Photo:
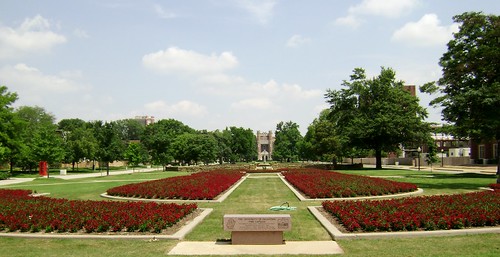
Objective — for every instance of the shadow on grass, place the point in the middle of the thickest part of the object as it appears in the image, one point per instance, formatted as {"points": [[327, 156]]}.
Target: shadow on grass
{"points": [[460, 181], [463, 175], [457, 186]]}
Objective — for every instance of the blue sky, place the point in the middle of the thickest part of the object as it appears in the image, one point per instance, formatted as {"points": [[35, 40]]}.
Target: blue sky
{"points": [[215, 63]]}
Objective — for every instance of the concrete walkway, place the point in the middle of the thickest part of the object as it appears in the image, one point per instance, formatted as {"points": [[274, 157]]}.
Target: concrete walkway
{"points": [[103, 173], [12, 181], [445, 169], [226, 248]]}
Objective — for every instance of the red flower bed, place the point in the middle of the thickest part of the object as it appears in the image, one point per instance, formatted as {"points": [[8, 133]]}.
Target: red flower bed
{"points": [[317, 183], [197, 186], [495, 186], [419, 213], [21, 212]]}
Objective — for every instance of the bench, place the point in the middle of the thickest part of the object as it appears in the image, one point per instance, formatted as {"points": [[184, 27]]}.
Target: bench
{"points": [[257, 229]]}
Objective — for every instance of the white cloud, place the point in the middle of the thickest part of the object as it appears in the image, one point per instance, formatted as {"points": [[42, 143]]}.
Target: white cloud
{"points": [[425, 32], [80, 33], [162, 13], [319, 108], [259, 103], [297, 92], [179, 109], [33, 80], [221, 79], [384, 8], [35, 87], [175, 59], [297, 40], [270, 88], [275, 97], [349, 21], [32, 36], [262, 10]]}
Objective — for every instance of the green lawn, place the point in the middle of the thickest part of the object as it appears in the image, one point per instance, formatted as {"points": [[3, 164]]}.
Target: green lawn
{"points": [[256, 195]]}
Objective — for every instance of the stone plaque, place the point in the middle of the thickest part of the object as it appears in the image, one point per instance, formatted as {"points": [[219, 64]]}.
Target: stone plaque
{"points": [[257, 222]]}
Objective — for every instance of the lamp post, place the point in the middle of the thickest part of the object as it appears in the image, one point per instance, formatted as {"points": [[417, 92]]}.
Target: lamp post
{"points": [[442, 157], [419, 150]]}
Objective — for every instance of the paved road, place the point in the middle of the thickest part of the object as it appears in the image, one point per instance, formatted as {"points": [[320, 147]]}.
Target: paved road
{"points": [[448, 169], [77, 176]]}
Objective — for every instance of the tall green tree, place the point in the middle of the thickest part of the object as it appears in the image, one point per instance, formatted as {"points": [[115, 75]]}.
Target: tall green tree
{"points": [[194, 147], [110, 144], [136, 153], [321, 142], [79, 141], [431, 156], [243, 144], [40, 138], [377, 113], [223, 139], [47, 145], [10, 142], [71, 124], [130, 129], [287, 141], [158, 138], [470, 86]]}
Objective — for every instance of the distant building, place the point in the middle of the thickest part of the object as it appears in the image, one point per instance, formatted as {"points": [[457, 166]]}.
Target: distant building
{"points": [[412, 89], [484, 152], [451, 146], [146, 120], [265, 145]]}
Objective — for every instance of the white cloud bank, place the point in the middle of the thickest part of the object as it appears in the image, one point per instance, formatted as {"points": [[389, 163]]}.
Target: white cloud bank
{"points": [[63, 91], [179, 109], [175, 59], [383, 8], [31, 79], [34, 35], [262, 10], [428, 31], [230, 96], [297, 41], [162, 13]]}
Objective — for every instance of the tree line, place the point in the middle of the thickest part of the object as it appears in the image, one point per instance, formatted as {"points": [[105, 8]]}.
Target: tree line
{"points": [[29, 135]]}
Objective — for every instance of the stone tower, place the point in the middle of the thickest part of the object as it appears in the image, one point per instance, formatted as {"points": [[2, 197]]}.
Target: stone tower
{"points": [[265, 145]]}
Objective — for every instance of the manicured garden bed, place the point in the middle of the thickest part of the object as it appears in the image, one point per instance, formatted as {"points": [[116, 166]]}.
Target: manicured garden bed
{"points": [[21, 212], [495, 186], [198, 186], [316, 183], [439, 212]]}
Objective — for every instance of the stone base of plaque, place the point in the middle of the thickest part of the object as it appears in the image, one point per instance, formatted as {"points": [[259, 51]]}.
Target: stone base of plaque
{"points": [[257, 229], [257, 237]]}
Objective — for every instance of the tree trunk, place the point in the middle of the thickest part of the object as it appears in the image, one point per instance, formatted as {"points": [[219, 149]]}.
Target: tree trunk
{"points": [[498, 171], [378, 159], [107, 168], [498, 163]]}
